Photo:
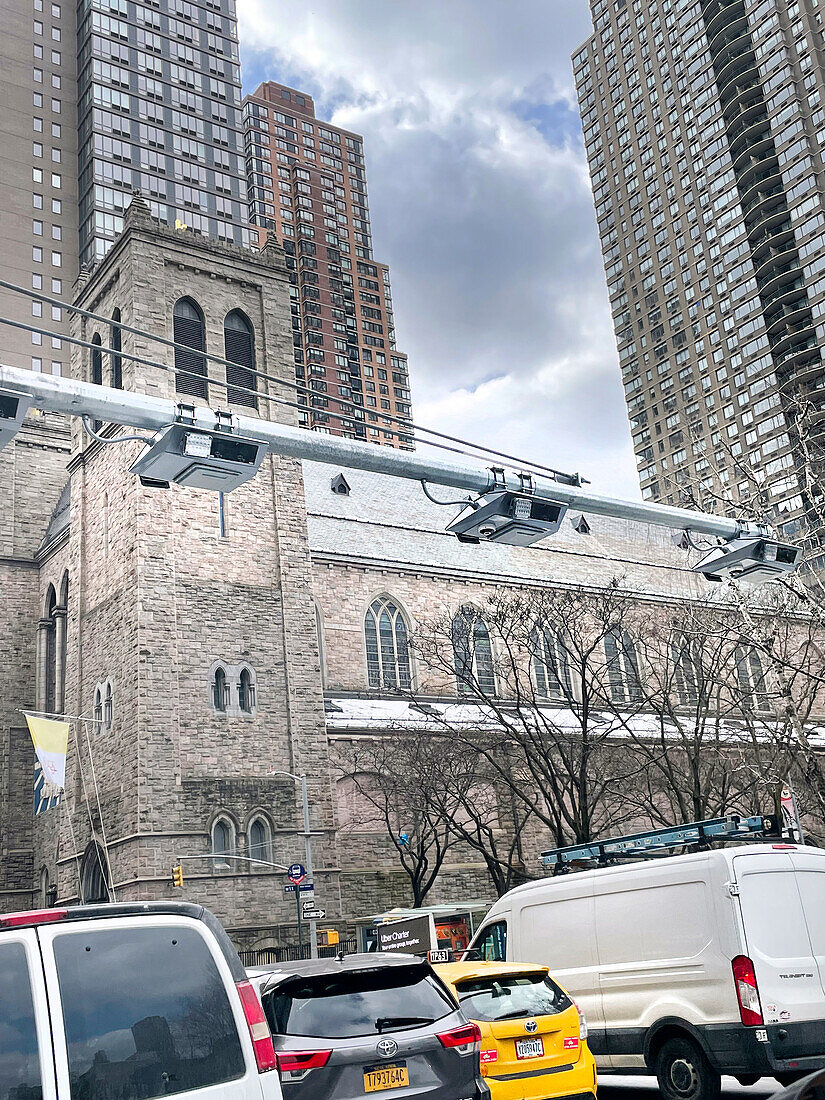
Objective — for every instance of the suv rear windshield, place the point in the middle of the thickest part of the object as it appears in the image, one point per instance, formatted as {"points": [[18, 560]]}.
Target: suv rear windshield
{"points": [[512, 997], [343, 1006]]}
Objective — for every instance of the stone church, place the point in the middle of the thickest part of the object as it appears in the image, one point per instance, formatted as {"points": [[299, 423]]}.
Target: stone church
{"points": [[219, 642]]}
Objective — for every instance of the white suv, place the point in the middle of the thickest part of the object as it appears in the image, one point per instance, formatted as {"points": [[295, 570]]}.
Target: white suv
{"points": [[132, 1001]]}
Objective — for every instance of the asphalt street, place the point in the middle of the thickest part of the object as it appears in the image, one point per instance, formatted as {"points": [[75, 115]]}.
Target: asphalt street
{"points": [[617, 1087]]}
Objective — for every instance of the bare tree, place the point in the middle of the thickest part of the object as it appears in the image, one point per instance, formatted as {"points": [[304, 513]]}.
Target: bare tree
{"points": [[393, 778], [542, 678]]}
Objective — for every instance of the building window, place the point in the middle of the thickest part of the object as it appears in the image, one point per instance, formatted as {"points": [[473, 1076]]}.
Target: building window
{"points": [[388, 655], [473, 654], [97, 712], [750, 678], [222, 843], [108, 706], [239, 344], [94, 875], [246, 691], [551, 668], [97, 361], [259, 837], [220, 690], [190, 367], [622, 667], [686, 675], [114, 343]]}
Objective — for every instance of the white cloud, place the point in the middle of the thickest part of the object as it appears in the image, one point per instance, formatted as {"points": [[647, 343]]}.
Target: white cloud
{"points": [[480, 203]]}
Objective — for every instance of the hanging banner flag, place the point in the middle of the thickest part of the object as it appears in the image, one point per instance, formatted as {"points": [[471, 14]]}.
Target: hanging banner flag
{"points": [[51, 739]]}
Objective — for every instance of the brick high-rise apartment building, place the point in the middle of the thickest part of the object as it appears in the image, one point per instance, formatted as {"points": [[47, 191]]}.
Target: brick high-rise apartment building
{"points": [[703, 124], [102, 99], [308, 187]]}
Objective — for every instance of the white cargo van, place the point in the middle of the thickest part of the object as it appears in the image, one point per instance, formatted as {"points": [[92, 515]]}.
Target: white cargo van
{"points": [[132, 1000], [684, 966]]}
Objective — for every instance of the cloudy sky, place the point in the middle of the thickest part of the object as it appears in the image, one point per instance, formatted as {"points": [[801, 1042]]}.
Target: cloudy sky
{"points": [[480, 203]]}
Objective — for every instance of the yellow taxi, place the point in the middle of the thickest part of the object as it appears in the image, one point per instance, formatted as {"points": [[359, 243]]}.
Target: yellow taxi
{"points": [[533, 1037]]}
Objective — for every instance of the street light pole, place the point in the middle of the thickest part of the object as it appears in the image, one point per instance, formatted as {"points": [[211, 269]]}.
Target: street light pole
{"points": [[313, 930]]}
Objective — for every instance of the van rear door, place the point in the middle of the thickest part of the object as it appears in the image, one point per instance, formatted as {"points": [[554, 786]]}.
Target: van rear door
{"points": [[26, 1066], [779, 945], [810, 878]]}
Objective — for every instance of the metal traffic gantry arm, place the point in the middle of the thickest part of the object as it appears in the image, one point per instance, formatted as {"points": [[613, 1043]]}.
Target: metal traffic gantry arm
{"points": [[520, 494]]}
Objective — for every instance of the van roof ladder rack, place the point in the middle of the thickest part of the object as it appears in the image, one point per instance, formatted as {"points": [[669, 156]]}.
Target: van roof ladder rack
{"points": [[660, 842]]}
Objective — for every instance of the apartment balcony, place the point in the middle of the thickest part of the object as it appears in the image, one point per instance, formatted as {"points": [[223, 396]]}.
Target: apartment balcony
{"points": [[734, 61], [757, 149], [768, 193], [770, 251], [767, 215], [803, 368], [780, 281], [721, 13], [745, 95], [726, 26], [783, 296], [757, 169], [747, 136], [792, 351], [787, 316]]}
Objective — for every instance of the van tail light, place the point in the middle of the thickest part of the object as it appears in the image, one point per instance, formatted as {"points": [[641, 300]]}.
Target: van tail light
{"points": [[33, 917], [465, 1039], [582, 1023], [744, 978], [258, 1027], [298, 1063]]}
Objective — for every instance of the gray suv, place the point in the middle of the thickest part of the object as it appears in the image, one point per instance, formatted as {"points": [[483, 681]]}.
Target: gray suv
{"points": [[346, 1027]]}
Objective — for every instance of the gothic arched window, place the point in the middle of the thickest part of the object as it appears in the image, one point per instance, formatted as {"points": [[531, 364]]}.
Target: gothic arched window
{"points": [[473, 653], [115, 345], [622, 667], [686, 672], [551, 668], [94, 875], [259, 837], [220, 690], [189, 330], [750, 677], [246, 691], [239, 344], [388, 655], [223, 843]]}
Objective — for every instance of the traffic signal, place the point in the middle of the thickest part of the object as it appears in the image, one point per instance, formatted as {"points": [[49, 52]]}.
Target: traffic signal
{"points": [[329, 938], [177, 875]]}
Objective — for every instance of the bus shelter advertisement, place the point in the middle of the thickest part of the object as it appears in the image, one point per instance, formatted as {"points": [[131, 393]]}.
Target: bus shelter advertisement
{"points": [[415, 935]]}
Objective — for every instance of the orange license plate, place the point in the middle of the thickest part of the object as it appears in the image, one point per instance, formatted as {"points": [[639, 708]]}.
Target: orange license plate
{"points": [[378, 1078]]}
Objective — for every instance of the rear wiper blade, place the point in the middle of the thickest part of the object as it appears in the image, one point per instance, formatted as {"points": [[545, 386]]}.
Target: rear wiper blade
{"points": [[400, 1021]]}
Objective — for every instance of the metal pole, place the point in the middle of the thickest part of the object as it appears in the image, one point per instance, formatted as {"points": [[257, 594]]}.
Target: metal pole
{"points": [[136, 410], [313, 932], [298, 911]]}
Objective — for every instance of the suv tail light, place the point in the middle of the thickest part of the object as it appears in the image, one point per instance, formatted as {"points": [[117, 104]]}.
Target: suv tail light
{"points": [[744, 978], [34, 916], [465, 1039], [258, 1027], [298, 1063]]}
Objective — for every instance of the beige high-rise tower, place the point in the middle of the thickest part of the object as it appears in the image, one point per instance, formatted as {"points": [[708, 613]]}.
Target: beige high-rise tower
{"points": [[703, 124]]}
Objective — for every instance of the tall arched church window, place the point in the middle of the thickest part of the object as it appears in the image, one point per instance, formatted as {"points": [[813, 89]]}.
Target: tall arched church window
{"points": [[246, 691], [750, 675], [115, 345], [190, 366], [239, 344], [551, 668], [685, 673], [97, 370], [259, 840], [388, 655], [220, 690], [473, 653], [222, 842], [94, 875], [622, 667]]}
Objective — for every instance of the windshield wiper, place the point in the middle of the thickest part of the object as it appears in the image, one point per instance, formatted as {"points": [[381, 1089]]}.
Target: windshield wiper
{"points": [[514, 1015], [400, 1021]]}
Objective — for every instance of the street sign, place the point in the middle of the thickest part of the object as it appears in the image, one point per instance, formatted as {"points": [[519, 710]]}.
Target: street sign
{"points": [[297, 873], [304, 887], [313, 914], [307, 904]]}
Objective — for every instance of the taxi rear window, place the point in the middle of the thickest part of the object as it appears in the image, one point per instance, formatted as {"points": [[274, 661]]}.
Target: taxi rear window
{"points": [[512, 997]]}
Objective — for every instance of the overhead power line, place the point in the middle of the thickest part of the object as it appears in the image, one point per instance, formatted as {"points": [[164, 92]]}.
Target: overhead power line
{"points": [[407, 425]]}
